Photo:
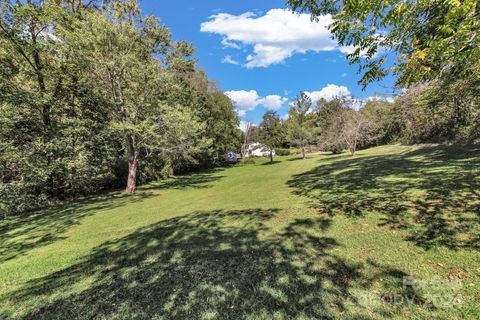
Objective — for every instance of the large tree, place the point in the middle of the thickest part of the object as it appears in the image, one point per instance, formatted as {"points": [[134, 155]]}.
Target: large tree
{"points": [[299, 124], [92, 92], [271, 132], [130, 58], [343, 127], [430, 39], [359, 130], [216, 110], [330, 119], [54, 136]]}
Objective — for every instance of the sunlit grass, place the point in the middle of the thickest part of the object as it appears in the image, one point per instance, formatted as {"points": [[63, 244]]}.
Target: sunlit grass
{"points": [[332, 236]]}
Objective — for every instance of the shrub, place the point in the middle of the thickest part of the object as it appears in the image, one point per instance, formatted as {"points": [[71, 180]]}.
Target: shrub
{"points": [[282, 152]]}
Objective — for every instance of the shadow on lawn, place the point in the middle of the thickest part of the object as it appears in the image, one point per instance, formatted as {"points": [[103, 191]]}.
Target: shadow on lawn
{"points": [[211, 265], [269, 163], [201, 180], [19, 234], [432, 192]]}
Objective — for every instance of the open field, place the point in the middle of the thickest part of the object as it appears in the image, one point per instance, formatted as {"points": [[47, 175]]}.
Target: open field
{"points": [[326, 237]]}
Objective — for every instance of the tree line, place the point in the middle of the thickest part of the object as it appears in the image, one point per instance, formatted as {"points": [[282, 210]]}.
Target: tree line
{"points": [[433, 50], [424, 113], [94, 95]]}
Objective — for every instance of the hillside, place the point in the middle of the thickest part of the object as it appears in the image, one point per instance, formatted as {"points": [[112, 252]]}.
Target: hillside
{"points": [[332, 236]]}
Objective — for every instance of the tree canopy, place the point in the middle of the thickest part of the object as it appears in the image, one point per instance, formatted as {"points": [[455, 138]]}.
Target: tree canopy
{"points": [[95, 95], [271, 131], [428, 39], [300, 124]]}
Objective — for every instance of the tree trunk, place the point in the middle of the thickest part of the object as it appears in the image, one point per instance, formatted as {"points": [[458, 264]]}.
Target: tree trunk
{"points": [[132, 165], [271, 155], [303, 152], [354, 148]]}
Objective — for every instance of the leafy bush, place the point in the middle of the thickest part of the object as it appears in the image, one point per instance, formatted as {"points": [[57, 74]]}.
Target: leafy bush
{"points": [[282, 152], [297, 151]]}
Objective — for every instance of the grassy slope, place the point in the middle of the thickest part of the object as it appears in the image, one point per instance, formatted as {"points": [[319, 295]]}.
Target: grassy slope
{"points": [[323, 237]]}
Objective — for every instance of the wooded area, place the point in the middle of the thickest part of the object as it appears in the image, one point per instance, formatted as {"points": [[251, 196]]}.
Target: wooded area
{"points": [[94, 96]]}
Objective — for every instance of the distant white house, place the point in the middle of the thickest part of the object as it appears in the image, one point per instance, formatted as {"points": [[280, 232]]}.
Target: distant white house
{"points": [[258, 150]]}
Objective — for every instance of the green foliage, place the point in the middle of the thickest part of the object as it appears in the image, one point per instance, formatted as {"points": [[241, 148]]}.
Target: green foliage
{"points": [[381, 114], [330, 118], [282, 152], [216, 111], [87, 91], [430, 39], [432, 47], [299, 124], [437, 113], [271, 131]]}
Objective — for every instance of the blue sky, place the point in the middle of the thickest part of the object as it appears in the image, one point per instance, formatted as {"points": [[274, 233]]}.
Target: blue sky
{"points": [[261, 55]]}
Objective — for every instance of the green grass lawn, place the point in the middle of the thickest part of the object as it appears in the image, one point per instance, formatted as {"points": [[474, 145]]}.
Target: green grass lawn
{"points": [[323, 238]]}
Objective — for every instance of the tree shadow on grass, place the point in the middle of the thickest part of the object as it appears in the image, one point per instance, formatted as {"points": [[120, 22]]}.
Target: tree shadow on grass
{"points": [[298, 158], [22, 233], [211, 265], [432, 192], [201, 180], [270, 163]]}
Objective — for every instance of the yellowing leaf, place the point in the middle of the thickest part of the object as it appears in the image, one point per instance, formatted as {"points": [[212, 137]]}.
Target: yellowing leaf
{"points": [[419, 55]]}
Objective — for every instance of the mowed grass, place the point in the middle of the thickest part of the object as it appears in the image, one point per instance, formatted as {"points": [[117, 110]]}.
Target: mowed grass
{"points": [[329, 237]]}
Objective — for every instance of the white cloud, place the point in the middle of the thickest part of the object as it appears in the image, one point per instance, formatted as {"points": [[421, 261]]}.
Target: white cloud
{"points": [[347, 49], [380, 98], [248, 100], [230, 44], [273, 102], [241, 112], [328, 93], [230, 60], [360, 103], [275, 36]]}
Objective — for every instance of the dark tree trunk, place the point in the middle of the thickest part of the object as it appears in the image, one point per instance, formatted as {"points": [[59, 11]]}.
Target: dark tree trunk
{"points": [[38, 68], [303, 152], [132, 165], [271, 155]]}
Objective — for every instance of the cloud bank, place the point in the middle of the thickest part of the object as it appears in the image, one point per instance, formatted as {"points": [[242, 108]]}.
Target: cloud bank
{"points": [[245, 101], [328, 93], [274, 37]]}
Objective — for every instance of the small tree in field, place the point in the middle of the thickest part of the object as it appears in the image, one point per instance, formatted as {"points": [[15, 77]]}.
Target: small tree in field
{"points": [[271, 133], [330, 117], [130, 58], [343, 127], [358, 130], [300, 125], [247, 137]]}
